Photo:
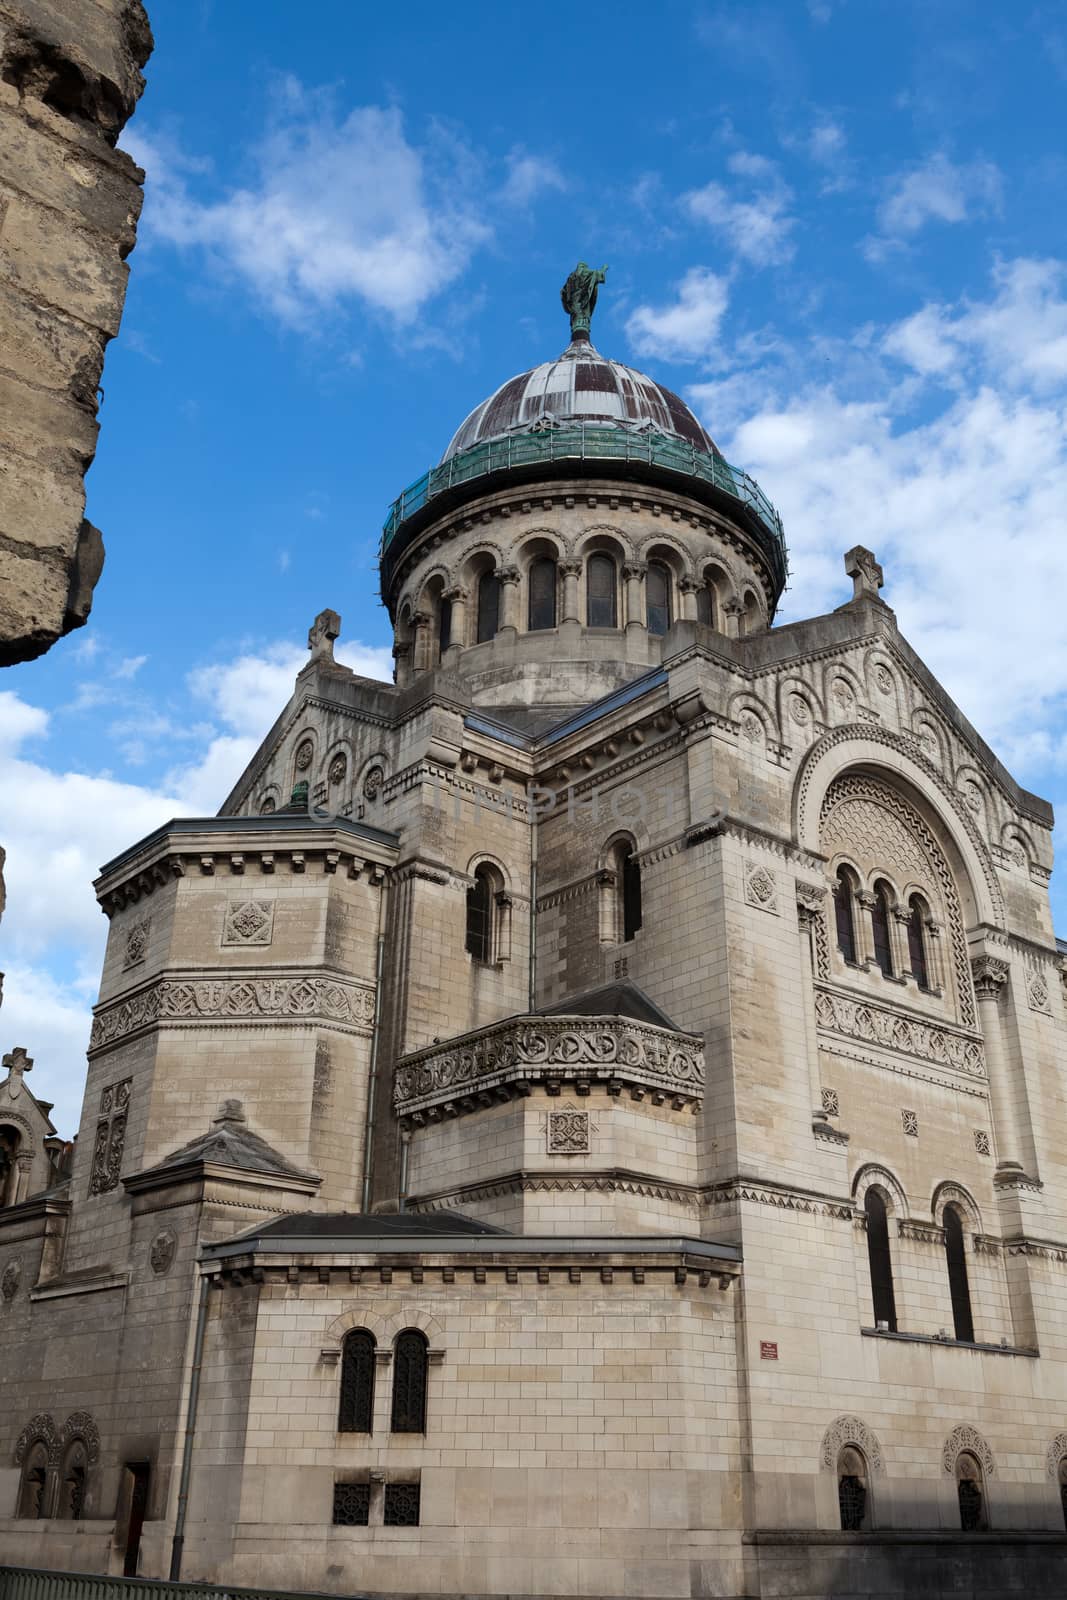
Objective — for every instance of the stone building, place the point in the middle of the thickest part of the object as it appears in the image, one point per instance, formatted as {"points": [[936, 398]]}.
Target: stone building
{"points": [[70, 77], [586, 1120]]}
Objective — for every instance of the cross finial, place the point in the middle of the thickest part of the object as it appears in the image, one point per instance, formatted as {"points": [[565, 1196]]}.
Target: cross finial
{"points": [[323, 631], [867, 576], [17, 1062]]}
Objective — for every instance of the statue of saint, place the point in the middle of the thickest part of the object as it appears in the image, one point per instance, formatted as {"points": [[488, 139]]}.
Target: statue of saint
{"points": [[579, 297]]}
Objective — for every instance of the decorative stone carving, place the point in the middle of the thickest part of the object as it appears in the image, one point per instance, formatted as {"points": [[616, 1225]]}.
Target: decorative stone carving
{"points": [[248, 922], [1038, 993], [751, 726], [110, 1140], [325, 629], [253, 997], [267, 805], [80, 1425], [510, 1055], [40, 1429], [568, 1133], [1055, 1453], [990, 976], [909, 1121], [831, 1102], [878, 1025], [799, 710], [760, 888], [884, 679], [304, 753], [372, 782], [966, 1438], [161, 1252], [137, 941], [867, 576], [981, 1141], [850, 1430], [338, 769], [11, 1278]]}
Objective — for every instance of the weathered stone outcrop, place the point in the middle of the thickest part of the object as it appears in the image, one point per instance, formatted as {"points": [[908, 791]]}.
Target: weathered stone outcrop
{"points": [[70, 77]]}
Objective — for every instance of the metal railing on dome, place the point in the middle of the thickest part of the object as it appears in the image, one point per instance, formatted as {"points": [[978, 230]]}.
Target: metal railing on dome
{"points": [[586, 442]]}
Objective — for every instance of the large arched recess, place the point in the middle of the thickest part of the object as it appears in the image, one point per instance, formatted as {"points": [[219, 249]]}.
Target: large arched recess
{"points": [[884, 754]]}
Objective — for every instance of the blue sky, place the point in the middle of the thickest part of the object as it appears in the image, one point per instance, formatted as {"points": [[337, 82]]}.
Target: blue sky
{"points": [[837, 227]]}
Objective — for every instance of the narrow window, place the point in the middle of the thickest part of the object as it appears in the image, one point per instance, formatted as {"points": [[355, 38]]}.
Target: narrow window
{"points": [[852, 1489], [706, 606], [444, 627], [136, 1478], [72, 1502], [917, 960], [542, 587], [970, 1492], [1063, 1489], [630, 869], [10, 1139], [480, 915], [956, 1256], [402, 1505], [844, 913], [351, 1505], [410, 1363], [658, 592], [883, 949], [881, 1262], [488, 606], [600, 592], [356, 1414], [34, 1483]]}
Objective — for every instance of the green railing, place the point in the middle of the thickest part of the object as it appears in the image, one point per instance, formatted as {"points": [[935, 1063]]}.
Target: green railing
{"points": [[586, 442], [27, 1583]]}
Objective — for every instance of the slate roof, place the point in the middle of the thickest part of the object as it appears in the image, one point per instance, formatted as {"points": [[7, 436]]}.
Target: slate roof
{"points": [[621, 999]]}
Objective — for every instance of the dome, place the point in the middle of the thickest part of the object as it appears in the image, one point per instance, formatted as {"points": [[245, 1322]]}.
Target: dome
{"points": [[580, 386]]}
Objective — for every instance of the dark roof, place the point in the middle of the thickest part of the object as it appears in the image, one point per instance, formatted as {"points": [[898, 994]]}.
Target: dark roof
{"points": [[230, 1142], [621, 999], [373, 1225]]}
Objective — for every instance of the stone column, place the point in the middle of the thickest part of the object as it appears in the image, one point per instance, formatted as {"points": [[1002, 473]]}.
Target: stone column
{"points": [[509, 599], [23, 1165], [733, 611], [571, 571], [634, 573], [935, 956], [402, 657], [899, 917], [990, 980], [689, 591], [458, 596], [810, 900], [865, 903], [420, 623]]}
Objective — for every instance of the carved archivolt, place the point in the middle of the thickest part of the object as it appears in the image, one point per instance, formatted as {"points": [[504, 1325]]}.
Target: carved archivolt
{"points": [[850, 1430], [1056, 1452], [252, 998], [39, 1430], [875, 1177], [969, 1440], [952, 1194], [80, 1425]]}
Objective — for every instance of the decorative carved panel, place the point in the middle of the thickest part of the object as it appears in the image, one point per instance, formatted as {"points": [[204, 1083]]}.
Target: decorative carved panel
{"points": [[891, 1030], [254, 997], [249, 922], [110, 1138]]}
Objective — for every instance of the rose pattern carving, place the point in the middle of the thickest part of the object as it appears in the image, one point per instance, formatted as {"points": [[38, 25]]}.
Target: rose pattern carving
{"points": [[249, 922], [304, 753]]}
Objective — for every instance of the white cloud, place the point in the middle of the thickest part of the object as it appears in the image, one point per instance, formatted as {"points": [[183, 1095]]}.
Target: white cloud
{"points": [[129, 666], [688, 328], [342, 209], [826, 143], [937, 190], [528, 177], [52, 1020], [756, 225], [19, 721]]}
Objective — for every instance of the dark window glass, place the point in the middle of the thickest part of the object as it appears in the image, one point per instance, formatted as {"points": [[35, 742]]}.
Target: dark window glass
{"points": [[488, 606], [351, 1505], [917, 944], [852, 1500], [881, 1262], [959, 1288], [72, 1504], [444, 626], [480, 916], [402, 1505], [542, 612], [846, 921], [631, 894], [34, 1482], [356, 1413], [410, 1362], [600, 592], [883, 950], [972, 1514], [658, 592], [706, 605], [1063, 1490]]}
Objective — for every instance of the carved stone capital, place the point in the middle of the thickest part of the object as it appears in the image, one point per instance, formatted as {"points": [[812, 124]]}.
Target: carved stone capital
{"points": [[990, 975], [457, 592], [570, 569], [634, 569], [508, 574], [867, 900]]}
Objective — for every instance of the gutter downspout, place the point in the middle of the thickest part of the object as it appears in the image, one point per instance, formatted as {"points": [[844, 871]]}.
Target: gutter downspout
{"points": [[532, 1002], [178, 1542], [372, 1084]]}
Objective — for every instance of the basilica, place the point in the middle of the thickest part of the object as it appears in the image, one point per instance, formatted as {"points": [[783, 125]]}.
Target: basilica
{"points": [[586, 1119]]}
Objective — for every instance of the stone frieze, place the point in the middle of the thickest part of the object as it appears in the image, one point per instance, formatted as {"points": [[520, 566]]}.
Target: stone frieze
{"points": [[252, 997]]}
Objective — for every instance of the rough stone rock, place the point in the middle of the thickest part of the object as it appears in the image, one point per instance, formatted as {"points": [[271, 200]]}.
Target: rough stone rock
{"points": [[70, 77]]}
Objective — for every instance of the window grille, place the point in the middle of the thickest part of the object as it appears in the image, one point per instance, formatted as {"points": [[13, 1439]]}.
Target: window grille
{"points": [[356, 1413], [852, 1500], [351, 1505], [972, 1519], [402, 1505], [410, 1362]]}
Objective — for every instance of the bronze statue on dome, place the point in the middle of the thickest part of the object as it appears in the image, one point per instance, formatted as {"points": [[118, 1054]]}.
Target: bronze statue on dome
{"points": [[579, 297]]}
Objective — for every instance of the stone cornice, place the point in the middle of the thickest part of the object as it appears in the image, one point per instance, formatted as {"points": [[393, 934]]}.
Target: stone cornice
{"points": [[785, 1197], [506, 1059], [613, 1180], [264, 997]]}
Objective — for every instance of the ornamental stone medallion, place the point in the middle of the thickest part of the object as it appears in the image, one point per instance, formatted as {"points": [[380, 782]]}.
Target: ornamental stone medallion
{"points": [[137, 942], [567, 1133], [304, 753], [338, 769], [372, 783], [10, 1279], [760, 888], [1037, 992], [161, 1252], [249, 922]]}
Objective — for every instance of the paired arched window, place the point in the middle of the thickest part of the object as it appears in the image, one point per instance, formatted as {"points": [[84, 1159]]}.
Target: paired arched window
{"points": [[358, 1360], [918, 958], [33, 1490], [845, 915], [852, 1493], [601, 602], [881, 911], [959, 1288], [488, 606], [542, 585], [881, 1261], [658, 597], [411, 1360], [970, 1492]]}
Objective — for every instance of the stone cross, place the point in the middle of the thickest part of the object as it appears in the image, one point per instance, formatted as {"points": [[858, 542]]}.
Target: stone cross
{"points": [[323, 631], [17, 1062], [867, 576]]}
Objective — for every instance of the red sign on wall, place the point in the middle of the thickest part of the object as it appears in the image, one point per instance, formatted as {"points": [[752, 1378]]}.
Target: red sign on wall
{"points": [[768, 1350]]}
